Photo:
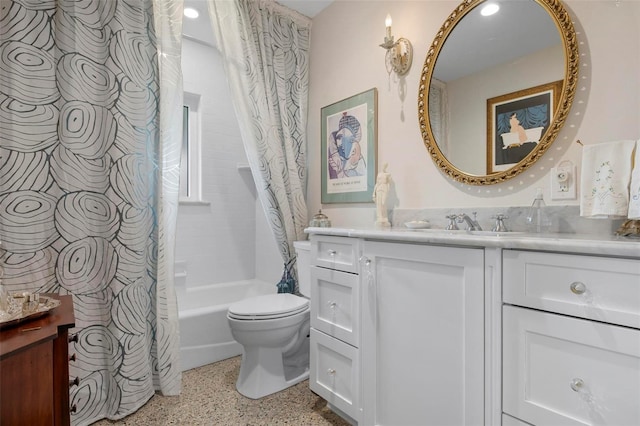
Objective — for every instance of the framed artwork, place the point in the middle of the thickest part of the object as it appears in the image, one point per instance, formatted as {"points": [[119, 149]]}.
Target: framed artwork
{"points": [[348, 149], [516, 122]]}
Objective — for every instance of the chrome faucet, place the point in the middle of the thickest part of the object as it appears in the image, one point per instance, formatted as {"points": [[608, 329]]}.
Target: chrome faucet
{"points": [[500, 225], [451, 226], [472, 224]]}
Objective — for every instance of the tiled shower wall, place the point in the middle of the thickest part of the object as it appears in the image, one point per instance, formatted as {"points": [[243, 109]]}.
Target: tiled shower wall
{"points": [[226, 236]]}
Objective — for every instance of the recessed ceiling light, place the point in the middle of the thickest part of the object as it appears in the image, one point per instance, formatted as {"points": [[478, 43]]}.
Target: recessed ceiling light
{"points": [[489, 9], [190, 12]]}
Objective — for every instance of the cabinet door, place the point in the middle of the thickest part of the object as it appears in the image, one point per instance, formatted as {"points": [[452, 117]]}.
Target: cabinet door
{"points": [[422, 336], [560, 370]]}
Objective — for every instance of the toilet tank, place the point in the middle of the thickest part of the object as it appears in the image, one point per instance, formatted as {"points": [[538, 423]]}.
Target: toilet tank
{"points": [[303, 253]]}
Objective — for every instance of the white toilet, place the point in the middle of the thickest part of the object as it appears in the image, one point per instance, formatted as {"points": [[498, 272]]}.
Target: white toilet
{"points": [[273, 330]]}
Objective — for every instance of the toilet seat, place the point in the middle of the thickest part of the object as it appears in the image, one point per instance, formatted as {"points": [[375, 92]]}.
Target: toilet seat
{"points": [[269, 306]]}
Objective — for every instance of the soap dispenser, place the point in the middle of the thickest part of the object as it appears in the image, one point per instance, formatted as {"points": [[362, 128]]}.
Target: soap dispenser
{"points": [[538, 219]]}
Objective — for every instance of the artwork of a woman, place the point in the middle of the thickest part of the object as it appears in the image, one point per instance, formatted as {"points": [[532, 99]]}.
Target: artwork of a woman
{"points": [[516, 127], [345, 153], [518, 142], [380, 194]]}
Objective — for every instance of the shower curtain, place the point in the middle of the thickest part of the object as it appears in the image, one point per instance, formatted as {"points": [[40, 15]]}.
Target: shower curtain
{"points": [[90, 134], [265, 49]]}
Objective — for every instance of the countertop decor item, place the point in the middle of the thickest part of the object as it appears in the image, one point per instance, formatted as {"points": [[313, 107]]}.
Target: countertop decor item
{"points": [[320, 220], [629, 228], [538, 220], [25, 306], [417, 224], [380, 194]]}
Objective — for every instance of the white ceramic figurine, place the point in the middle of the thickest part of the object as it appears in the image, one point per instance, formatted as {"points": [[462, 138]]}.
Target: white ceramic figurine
{"points": [[380, 194]]}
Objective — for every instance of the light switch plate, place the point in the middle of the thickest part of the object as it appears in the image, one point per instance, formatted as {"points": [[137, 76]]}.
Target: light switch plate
{"points": [[563, 182]]}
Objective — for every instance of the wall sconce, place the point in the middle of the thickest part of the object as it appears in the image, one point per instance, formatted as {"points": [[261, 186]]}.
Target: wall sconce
{"points": [[399, 53]]}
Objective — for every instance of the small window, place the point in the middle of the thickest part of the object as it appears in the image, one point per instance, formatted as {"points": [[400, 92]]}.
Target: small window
{"points": [[190, 159]]}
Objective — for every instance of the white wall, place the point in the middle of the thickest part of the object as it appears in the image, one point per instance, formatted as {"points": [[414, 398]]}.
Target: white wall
{"points": [[224, 239], [346, 59]]}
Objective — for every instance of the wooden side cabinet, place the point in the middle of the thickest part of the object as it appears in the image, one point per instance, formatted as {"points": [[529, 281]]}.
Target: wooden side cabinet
{"points": [[34, 369]]}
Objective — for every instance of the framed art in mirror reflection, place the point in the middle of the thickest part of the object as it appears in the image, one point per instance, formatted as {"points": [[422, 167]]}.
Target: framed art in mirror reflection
{"points": [[516, 122]]}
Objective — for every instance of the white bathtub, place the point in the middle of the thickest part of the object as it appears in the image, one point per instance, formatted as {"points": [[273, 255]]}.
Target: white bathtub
{"points": [[205, 336]]}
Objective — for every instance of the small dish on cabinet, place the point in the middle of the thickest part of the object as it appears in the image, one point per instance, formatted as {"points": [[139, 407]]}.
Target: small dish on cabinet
{"points": [[417, 224]]}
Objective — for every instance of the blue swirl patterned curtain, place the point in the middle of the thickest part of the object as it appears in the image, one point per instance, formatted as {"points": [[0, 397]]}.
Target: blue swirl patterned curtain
{"points": [[88, 184], [265, 48]]}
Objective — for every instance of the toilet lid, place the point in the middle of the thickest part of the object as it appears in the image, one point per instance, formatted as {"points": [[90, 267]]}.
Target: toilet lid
{"points": [[269, 306]]}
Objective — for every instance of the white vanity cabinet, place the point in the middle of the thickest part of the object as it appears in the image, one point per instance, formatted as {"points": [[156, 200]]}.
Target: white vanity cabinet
{"points": [[335, 323], [571, 339], [422, 336], [423, 329]]}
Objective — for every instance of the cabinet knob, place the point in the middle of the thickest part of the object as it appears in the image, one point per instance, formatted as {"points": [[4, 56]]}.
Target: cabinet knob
{"points": [[75, 382], [576, 385], [331, 252], [365, 260], [332, 304], [73, 338], [72, 357], [331, 371], [578, 288]]}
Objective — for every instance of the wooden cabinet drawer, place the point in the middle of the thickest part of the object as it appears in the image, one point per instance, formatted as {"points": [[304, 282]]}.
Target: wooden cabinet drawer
{"points": [[333, 375], [599, 288], [559, 370], [335, 307], [339, 253]]}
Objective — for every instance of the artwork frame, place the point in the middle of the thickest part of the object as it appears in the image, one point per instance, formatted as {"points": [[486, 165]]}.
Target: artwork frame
{"points": [[527, 114], [349, 143]]}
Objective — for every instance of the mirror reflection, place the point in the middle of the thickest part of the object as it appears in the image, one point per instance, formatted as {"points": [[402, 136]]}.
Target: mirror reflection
{"points": [[495, 86]]}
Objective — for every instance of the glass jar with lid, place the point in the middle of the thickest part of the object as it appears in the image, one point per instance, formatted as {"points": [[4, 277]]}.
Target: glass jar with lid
{"points": [[320, 220]]}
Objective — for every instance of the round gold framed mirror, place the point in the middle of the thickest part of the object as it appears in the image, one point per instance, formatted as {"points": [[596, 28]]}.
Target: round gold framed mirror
{"points": [[496, 90]]}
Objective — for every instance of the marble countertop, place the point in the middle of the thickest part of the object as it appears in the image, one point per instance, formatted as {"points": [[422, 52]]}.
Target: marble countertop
{"points": [[606, 245]]}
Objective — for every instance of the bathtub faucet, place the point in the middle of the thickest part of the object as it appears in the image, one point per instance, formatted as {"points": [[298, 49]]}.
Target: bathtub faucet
{"points": [[472, 224]]}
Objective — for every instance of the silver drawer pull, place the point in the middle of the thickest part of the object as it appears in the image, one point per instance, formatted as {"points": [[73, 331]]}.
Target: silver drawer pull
{"points": [[577, 384], [331, 372], [578, 288], [331, 304], [331, 252]]}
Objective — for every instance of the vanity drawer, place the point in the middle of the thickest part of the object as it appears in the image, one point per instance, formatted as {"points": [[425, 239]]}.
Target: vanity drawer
{"points": [[559, 370], [601, 288], [507, 420], [339, 253], [334, 369], [335, 307]]}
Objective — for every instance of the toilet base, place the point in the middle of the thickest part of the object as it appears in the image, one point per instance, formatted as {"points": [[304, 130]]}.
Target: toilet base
{"points": [[262, 372]]}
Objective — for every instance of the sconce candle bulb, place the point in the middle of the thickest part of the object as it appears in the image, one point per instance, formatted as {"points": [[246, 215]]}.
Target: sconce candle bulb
{"points": [[387, 23]]}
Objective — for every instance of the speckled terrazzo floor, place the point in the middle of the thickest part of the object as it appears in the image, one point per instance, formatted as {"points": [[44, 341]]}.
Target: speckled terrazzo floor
{"points": [[209, 397]]}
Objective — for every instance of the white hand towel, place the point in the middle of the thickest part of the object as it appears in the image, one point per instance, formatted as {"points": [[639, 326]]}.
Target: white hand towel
{"points": [[634, 187], [606, 172]]}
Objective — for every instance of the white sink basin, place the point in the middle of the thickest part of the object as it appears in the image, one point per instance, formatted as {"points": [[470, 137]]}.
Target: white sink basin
{"points": [[465, 232], [496, 233]]}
